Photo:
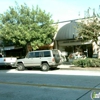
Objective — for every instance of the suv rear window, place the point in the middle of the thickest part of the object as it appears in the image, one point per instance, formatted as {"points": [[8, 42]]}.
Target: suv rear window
{"points": [[55, 53]]}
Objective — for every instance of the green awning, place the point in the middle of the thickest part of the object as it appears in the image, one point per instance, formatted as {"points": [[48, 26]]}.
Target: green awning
{"points": [[68, 31]]}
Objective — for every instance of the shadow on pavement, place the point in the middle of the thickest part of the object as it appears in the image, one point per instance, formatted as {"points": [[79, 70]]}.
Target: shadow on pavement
{"points": [[6, 67], [39, 69]]}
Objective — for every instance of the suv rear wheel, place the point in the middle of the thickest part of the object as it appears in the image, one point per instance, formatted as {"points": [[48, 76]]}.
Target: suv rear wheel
{"points": [[45, 67]]}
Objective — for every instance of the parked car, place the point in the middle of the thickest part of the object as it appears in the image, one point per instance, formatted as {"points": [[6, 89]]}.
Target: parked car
{"points": [[45, 59], [7, 61]]}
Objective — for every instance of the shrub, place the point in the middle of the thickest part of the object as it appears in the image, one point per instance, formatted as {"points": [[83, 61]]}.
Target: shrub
{"points": [[88, 62]]}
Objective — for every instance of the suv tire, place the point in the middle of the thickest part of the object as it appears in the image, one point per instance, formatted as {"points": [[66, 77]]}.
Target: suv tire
{"points": [[45, 67], [57, 59], [20, 67]]}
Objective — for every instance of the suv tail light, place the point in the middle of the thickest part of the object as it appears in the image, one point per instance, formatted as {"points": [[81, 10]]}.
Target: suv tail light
{"points": [[53, 59]]}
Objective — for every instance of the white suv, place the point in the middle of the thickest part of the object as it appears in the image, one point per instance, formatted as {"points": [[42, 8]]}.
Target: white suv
{"points": [[44, 58]]}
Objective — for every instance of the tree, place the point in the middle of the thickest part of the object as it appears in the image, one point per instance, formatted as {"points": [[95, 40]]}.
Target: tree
{"points": [[89, 27], [21, 25]]}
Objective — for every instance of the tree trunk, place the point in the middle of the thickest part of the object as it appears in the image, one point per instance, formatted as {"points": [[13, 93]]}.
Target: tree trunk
{"points": [[28, 48]]}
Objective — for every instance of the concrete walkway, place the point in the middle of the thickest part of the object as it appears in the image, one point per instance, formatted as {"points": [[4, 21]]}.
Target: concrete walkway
{"points": [[73, 67], [56, 72]]}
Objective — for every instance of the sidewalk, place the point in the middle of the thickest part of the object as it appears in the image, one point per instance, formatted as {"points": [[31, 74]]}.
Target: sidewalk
{"points": [[64, 69], [70, 69], [73, 67], [67, 71]]}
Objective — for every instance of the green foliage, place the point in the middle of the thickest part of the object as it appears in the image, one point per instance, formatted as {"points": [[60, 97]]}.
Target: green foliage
{"points": [[89, 28], [88, 62], [21, 25]]}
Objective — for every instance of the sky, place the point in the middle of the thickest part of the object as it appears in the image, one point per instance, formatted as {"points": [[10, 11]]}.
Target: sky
{"points": [[61, 10]]}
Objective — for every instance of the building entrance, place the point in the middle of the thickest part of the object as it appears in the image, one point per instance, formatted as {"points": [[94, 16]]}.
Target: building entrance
{"points": [[83, 49]]}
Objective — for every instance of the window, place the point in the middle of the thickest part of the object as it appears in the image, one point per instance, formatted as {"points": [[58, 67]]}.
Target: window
{"points": [[31, 55], [47, 54], [37, 54], [41, 54], [56, 53]]}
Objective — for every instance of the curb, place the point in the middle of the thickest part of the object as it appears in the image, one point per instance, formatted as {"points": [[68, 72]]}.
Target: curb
{"points": [[73, 67]]}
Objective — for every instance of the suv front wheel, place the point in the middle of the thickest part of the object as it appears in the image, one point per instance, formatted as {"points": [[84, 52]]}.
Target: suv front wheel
{"points": [[45, 67], [20, 67]]}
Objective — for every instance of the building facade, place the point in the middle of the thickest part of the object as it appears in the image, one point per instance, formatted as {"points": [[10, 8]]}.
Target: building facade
{"points": [[65, 41]]}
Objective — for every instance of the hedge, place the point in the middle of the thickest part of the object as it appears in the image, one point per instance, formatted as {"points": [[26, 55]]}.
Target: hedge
{"points": [[88, 62]]}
